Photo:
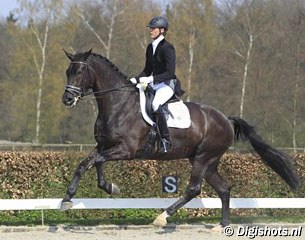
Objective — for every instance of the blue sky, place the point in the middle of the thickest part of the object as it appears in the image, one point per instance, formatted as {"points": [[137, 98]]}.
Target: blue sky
{"points": [[6, 6]]}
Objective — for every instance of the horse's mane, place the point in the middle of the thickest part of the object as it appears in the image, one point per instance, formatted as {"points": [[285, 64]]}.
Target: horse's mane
{"points": [[112, 65]]}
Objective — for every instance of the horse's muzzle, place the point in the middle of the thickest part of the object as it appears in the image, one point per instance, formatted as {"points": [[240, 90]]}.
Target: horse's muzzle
{"points": [[69, 99], [71, 95]]}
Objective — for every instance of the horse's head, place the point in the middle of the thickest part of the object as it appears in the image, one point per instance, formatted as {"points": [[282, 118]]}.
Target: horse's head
{"points": [[78, 78]]}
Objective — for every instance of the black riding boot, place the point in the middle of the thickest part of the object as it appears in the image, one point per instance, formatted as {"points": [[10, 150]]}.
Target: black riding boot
{"points": [[164, 132]]}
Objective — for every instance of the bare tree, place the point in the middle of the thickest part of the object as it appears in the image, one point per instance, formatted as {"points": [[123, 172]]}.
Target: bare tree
{"points": [[247, 26], [112, 12], [190, 20], [40, 15], [296, 35], [245, 75]]}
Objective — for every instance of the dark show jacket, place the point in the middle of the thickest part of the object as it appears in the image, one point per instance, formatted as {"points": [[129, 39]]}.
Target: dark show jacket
{"points": [[162, 64]]}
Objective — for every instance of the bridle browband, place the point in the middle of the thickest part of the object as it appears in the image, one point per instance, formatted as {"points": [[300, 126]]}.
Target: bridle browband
{"points": [[79, 93], [80, 62]]}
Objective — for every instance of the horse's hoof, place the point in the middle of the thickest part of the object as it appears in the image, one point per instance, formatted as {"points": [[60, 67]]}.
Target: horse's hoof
{"points": [[115, 190], [160, 221], [217, 229], [66, 206]]}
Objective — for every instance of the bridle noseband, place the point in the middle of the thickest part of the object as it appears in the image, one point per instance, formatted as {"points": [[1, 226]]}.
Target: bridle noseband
{"points": [[74, 90]]}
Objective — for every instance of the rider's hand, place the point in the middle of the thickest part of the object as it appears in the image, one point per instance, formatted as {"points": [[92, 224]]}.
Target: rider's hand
{"points": [[147, 80], [133, 80]]}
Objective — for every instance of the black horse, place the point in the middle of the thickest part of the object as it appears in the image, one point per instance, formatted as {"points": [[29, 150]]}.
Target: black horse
{"points": [[122, 134]]}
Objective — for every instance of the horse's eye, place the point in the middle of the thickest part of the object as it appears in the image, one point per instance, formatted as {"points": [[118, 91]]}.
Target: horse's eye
{"points": [[79, 72]]}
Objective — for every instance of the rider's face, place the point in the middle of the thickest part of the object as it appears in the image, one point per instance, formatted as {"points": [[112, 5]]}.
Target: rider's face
{"points": [[155, 32]]}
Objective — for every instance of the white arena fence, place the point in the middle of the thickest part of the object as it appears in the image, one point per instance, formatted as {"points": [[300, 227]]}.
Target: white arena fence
{"points": [[148, 203], [20, 146]]}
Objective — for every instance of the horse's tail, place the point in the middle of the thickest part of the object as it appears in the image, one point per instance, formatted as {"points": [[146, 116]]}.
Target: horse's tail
{"points": [[281, 163]]}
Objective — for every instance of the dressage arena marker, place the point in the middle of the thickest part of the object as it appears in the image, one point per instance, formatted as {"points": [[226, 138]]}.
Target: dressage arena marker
{"points": [[146, 203]]}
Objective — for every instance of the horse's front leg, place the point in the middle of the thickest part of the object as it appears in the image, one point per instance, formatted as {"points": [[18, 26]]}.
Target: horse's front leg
{"points": [[109, 188], [118, 152], [82, 167]]}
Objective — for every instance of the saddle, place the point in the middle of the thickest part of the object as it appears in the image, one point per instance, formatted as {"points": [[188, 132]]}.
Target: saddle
{"points": [[178, 115]]}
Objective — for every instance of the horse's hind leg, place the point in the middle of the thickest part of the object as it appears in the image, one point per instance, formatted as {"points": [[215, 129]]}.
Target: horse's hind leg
{"points": [[213, 178], [193, 190], [82, 167]]}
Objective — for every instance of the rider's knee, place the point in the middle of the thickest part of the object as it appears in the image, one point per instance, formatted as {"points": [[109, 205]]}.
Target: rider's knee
{"points": [[156, 105]]}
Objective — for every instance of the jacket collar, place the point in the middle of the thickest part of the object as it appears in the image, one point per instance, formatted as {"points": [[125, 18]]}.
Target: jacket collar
{"points": [[156, 42]]}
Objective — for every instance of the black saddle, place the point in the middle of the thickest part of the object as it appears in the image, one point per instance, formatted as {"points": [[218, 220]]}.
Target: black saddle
{"points": [[150, 94]]}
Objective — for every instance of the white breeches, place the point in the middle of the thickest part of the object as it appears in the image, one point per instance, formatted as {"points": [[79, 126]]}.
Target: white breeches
{"points": [[162, 95]]}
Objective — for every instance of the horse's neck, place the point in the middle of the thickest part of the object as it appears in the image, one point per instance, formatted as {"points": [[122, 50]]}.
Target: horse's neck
{"points": [[111, 95], [117, 102]]}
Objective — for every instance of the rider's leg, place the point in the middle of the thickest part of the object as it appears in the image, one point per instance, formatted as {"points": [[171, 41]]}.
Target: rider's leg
{"points": [[163, 94], [162, 126]]}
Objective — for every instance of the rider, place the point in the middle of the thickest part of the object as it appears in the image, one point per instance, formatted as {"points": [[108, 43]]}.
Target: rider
{"points": [[159, 73]]}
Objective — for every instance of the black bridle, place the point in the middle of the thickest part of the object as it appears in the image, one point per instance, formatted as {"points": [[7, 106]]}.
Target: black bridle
{"points": [[78, 92]]}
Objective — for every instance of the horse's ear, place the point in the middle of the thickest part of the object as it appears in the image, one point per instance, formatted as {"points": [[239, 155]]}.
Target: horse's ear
{"points": [[87, 54], [69, 55]]}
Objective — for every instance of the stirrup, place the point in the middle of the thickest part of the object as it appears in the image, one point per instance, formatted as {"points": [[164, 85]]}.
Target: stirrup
{"points": [[165, 145]]}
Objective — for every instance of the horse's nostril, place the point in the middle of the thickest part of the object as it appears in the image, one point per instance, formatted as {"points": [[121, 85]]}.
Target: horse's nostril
{"points": [[67, 98]]}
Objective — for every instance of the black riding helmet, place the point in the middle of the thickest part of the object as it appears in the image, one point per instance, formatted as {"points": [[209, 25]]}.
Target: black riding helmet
{"points": [[158, 22]]}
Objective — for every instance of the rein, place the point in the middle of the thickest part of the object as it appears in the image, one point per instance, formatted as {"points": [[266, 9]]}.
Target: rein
{"points": [[113, 89], [72, 89]]}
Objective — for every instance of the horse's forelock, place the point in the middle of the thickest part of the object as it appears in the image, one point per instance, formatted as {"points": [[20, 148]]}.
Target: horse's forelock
{"points": [[80, 56]]}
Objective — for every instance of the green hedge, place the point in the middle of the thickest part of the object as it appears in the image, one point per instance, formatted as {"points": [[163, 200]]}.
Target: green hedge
{"points": [[47, 175]]}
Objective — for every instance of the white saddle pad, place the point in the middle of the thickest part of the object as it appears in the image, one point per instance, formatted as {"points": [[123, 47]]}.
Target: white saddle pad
{"points": [[179, 116]]}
